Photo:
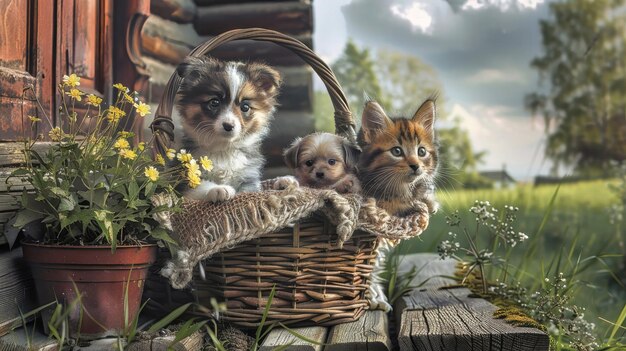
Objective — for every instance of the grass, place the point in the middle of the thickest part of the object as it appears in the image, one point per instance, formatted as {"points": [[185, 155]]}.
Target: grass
{"points": [[577, 238]]}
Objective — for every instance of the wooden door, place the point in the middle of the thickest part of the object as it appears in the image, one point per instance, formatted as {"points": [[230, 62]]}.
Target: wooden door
{"points": [[26, 70]]}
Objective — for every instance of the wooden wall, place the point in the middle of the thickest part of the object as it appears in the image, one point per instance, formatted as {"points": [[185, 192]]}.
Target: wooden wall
{"points": [[177, 26]]}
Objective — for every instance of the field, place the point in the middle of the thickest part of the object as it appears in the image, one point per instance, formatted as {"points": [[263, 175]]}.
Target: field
{"points": [[577, 239]]}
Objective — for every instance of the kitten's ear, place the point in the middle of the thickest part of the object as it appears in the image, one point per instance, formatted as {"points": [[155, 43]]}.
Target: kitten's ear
{"points": [[425, 115], [350, 154], [290, 155], [374, 119], [266, 78]]}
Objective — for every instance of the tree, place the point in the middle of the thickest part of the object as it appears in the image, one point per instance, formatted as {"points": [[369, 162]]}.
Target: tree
{"points": [[355, 72], [584, 62]]}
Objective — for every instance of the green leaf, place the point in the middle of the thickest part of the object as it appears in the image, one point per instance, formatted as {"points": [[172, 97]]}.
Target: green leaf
{"points": [[186, 330], [26, 216], [67, 204], [58, 191], [172, 316], [162, 234], [618, 324]]}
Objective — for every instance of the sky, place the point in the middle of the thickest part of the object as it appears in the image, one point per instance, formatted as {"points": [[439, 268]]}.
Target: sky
{"points": [[481, 50]]}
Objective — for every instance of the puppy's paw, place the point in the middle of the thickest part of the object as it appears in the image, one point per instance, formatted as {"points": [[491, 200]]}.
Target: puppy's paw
{"points": [[220, 193], [377, 299], [349, 184], [285, 182]]}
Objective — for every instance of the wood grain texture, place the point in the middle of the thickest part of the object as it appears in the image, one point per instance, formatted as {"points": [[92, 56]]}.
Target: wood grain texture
{"points": [[280, 337], [285, 17], [170, 42], [193, 342], [183, 11], [430, 318], [370, 333]]}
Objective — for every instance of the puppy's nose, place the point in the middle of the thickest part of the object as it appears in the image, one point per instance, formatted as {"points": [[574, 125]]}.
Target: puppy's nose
{"points": [[414, 167], [319, 174], [228, 127]]}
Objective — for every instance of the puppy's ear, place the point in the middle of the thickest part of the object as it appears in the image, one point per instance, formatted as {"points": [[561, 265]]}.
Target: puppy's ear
{"points": [[290, 155], [190, 64], [265, 78], [350, 154]]}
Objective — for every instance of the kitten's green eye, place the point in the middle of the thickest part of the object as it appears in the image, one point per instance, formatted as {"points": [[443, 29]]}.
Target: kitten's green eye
{"points": [[309, 163], [245, 107], [332, 162], [396, 151], [421, 151]]}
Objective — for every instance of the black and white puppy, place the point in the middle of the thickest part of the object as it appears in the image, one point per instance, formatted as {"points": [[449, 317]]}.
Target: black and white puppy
{"points": [[224, 113]]}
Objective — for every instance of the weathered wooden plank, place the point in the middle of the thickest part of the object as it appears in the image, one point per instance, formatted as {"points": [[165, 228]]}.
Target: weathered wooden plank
{"points": [[289, 17], [281, 337], [370, 332], [191, 343], [448, 319], [17, 290], [183, 11], [174, 52]]}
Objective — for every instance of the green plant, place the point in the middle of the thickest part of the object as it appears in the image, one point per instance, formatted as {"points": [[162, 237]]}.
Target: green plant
{"points": [[94, 183]]}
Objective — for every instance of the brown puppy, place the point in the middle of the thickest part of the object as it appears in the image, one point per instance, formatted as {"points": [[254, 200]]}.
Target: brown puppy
{"points": [[324, 160]]}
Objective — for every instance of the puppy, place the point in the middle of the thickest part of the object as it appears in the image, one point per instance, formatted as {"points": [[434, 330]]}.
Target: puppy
{"points": [[224, 111], [324, 160]]}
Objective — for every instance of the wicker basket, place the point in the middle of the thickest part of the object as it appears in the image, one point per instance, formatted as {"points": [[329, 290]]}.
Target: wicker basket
{"points": [[316, 283]]}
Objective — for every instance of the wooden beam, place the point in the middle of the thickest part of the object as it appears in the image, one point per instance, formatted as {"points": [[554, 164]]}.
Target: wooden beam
{"points": [[370, 332], [18, 340], [173, 52], [182, 11], [431, 318], [221, 2], [17, 290], [286, 17], [281, 337], [193, 342], [286, 126]]}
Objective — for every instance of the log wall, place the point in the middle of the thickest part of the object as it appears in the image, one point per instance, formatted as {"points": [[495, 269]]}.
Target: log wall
{"points": [[177, 26]]}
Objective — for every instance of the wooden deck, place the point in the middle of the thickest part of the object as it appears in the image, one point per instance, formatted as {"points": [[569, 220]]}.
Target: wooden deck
{"points": [[427, 318]]}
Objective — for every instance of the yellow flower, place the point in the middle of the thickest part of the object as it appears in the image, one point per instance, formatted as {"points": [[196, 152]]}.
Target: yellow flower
{"points": [[56, 134], [129, 98], [34, 119], [93, 100], [142, 109], [160, 160], [206, 163], [170, 154], [194, 180], [183, 156], [193, 167], [141, 146], [124, 134], [71, 81], [151, 173], [127, 153], [114, 114], [121, 143], [121, 87], [75, 94]]}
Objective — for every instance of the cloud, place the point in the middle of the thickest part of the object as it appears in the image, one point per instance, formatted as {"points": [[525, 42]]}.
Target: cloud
{"points": [[416, 14], [491, 75], [503, 5]]}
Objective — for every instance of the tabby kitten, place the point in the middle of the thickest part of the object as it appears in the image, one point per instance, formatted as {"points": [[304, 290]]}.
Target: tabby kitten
{"points": [[397, 167], [399, 161]]}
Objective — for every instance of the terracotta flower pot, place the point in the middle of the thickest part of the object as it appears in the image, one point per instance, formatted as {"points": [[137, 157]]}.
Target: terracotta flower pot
{"points": [[100, 276]]}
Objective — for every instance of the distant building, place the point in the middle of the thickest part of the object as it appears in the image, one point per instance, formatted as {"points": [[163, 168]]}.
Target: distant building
{"points": [[501, 179]]}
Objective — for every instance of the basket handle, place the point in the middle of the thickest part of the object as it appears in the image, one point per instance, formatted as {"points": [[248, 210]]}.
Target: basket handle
{"points": [[163, 128]]}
